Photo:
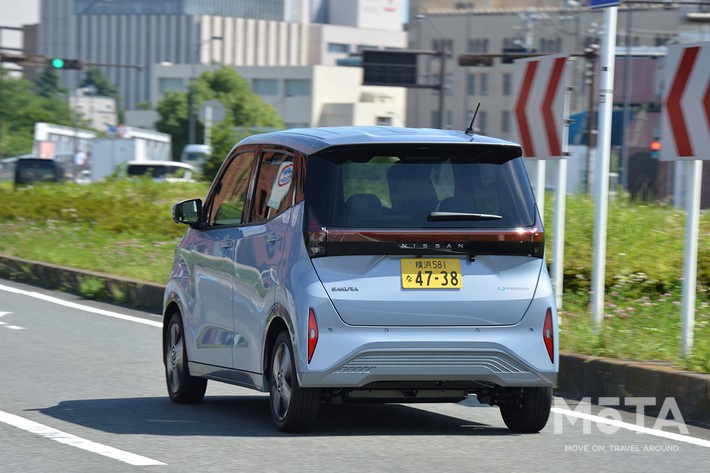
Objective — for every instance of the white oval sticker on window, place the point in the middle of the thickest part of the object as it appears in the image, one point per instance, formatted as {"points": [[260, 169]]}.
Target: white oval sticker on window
{"points": [[281, 186]]}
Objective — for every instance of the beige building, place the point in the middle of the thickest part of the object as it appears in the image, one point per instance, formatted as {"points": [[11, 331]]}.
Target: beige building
{"points": [[305, 96], [99, 111]]}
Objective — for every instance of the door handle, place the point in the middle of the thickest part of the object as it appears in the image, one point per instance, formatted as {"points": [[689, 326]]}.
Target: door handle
{"points": [[226, 244], [273, 238]]}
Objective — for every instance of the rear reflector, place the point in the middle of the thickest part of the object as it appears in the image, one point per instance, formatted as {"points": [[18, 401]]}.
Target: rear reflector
{"points": [[547, 335], [312, 333]]}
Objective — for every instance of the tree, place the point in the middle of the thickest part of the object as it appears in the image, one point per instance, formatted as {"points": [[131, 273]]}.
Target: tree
{"points": [[47, 83], [173, 120], [104, 87], [244, 111], [20, 108]]}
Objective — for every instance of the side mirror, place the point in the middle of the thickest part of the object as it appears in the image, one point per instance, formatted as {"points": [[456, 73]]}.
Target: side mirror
{"points": [[188, 212]]}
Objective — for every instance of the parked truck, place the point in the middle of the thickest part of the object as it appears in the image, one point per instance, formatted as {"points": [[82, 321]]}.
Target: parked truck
{"points": [[136, 145]]}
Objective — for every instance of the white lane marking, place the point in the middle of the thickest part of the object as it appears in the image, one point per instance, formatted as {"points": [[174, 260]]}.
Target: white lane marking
{"points": [[634, 428], [85, 308], [12, 327], [74, 441]]}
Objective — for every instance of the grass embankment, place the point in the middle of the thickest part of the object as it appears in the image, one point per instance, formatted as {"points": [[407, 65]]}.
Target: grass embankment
{"points": [[124, 228]]}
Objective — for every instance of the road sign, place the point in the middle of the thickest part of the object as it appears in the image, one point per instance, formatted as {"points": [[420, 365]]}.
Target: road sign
{"points": [[685, 122], [597, 4], [539, 106], [685, 134], [389, 67], [212, 110]]}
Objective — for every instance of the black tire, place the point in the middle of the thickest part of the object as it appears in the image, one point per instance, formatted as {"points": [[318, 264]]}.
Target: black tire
{"points": [[294, 409], [182, 387], [528, 409]]}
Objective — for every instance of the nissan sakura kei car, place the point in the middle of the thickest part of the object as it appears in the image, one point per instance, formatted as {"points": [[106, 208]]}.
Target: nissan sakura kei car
{"points": [[365, 264]]}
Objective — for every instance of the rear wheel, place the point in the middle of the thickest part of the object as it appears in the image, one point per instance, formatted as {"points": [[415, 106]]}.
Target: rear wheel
{"points": [[294, 409], [182, 387], [527, 409]]}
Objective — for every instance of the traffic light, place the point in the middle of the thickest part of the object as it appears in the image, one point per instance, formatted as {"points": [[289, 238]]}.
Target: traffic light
{"points": [[485, 60], [511, 54], [60, 63], [655, 148]]}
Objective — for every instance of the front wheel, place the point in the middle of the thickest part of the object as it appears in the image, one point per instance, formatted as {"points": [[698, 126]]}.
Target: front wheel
{"points": [[182, 387], [527, 410], [294, 409]]}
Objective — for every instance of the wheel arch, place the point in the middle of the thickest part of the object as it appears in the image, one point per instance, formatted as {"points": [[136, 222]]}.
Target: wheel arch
{"points": [[278, 322], [171, 309]]}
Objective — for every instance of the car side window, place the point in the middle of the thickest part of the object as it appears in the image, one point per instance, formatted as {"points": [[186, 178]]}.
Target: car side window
{"points": [[274, 192], [231, 191]]}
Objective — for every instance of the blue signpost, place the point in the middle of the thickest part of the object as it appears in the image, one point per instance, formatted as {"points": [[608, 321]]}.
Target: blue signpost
{"points": [[596, 4]]}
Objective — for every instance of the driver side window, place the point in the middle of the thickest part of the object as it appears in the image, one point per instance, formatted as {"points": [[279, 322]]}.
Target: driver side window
{"points": [[231, 192]]}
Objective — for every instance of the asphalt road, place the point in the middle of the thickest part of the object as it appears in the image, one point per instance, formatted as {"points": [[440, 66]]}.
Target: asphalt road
{"points": [[82, 390]]}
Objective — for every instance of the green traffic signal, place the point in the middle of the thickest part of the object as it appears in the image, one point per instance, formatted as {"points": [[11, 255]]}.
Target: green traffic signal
{"points": [[61, 63]]}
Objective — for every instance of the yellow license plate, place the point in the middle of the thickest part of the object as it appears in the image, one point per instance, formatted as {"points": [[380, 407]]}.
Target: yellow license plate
{"points": [[431, 273]]}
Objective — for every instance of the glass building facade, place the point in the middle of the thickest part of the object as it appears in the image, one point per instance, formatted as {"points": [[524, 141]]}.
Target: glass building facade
{"points": [[261, 9]]}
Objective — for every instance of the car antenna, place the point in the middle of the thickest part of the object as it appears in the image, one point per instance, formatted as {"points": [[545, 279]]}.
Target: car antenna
{"points": [[469, 130]]}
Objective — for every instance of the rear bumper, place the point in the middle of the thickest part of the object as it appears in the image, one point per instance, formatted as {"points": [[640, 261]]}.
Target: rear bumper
{"points": [[463, 366]]}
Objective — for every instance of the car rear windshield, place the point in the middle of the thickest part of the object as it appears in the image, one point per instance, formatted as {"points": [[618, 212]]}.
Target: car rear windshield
{"points": [[37, 170], [420, 186]]}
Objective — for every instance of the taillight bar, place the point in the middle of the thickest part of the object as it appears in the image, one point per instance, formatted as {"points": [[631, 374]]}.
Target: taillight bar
{"points": [[338, 241], [515, 241]]}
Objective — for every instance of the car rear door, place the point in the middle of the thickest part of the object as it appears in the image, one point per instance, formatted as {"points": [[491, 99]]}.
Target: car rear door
{"points": [[258, 254]]}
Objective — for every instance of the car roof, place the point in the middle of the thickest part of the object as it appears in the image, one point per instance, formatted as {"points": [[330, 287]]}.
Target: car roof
{"points": [[175, 164], [197, 147], [312, 140]]}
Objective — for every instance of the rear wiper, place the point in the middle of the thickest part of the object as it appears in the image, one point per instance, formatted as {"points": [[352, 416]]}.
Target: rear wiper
{"points": [[452, 216]]}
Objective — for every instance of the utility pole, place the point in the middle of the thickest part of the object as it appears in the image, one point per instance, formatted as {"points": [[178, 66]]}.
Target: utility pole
{"points": [[443, 54]]}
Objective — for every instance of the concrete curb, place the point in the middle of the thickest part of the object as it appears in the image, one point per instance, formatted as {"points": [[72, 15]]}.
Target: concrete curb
{"points": [[580, 376], [586, 376], [91, 285]]}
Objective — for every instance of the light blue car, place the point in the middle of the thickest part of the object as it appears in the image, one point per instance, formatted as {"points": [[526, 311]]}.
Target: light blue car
{"points": [[374, 264]]}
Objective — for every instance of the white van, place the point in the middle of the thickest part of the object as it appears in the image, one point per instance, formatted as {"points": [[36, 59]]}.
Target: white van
{"points": [[195, 155], [169, 171]]}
